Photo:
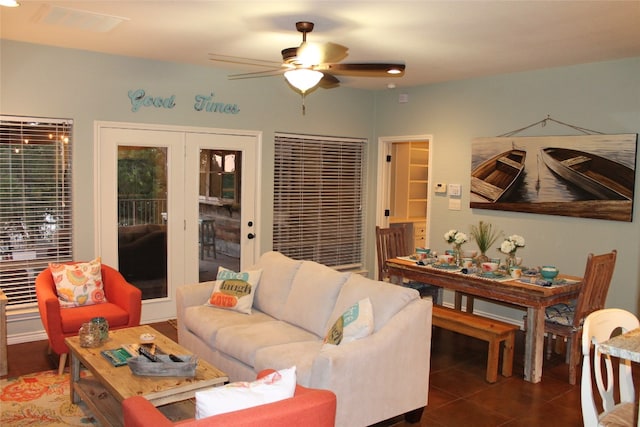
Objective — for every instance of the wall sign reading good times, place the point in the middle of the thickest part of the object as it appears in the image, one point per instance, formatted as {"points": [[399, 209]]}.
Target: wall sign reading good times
{"points": [[206, 103]]}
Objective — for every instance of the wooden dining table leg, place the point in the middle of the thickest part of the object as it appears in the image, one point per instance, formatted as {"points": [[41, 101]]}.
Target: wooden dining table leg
{"points": [[534, 344]]}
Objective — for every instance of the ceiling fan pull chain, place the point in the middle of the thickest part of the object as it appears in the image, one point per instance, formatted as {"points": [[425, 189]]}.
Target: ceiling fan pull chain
{"points": [[304, 108]]}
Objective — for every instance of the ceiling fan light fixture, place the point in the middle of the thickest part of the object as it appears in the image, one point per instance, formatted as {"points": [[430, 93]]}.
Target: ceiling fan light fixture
{"points": [[394, 71], [303, 79]]}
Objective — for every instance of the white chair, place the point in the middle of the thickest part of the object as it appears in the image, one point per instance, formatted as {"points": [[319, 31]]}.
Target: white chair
{"points": [[598, 327]]}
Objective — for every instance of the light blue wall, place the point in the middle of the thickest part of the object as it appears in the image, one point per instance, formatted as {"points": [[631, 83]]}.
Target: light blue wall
{"points": [[602, 96], [44, 81]]}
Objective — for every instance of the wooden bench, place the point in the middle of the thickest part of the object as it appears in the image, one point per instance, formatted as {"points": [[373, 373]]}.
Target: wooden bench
{"points": [[492, 331]]}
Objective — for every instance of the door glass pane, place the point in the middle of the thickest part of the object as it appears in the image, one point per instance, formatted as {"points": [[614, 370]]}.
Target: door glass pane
{"points": [[219, 211], [142, 218]]}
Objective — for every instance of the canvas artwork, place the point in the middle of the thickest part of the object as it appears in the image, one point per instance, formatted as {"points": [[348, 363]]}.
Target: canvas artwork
{"points": [[587, 176]]}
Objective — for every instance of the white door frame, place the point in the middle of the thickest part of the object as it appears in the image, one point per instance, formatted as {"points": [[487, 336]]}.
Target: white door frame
{"points": [[385, 144], [105, 230]]}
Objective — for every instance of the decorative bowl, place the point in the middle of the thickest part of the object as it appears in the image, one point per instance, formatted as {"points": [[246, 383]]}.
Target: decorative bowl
{"points": [[446, 259], [489, 266], [549, 272]]}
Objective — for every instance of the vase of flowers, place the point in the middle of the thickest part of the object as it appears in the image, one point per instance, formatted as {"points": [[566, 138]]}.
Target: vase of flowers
{"points": [[485, 236], [457, 238], [509, 247]]}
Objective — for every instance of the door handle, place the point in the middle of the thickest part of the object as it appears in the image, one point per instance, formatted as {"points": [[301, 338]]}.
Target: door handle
{"points": [[251, 236]]}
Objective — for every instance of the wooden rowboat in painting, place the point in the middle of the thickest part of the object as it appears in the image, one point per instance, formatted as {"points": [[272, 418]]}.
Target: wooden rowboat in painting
{"points": [[494, 179], [603, 178]]}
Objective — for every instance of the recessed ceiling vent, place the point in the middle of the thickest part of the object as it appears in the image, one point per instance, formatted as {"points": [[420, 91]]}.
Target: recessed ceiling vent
{"points": [[77, 19]]}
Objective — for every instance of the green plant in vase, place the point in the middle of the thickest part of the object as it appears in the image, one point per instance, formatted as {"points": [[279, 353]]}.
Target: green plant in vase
{"points": [[485, 236]]}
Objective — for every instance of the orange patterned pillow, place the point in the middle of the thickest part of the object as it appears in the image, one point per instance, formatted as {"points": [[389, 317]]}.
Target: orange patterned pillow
{"points": [[78, 284]]}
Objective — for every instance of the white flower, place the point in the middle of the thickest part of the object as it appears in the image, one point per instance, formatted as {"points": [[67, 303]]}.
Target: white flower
{"points": [[456, 237], [460, 238], [449, 236], [507, 247], [512, 243], [517, 240]]}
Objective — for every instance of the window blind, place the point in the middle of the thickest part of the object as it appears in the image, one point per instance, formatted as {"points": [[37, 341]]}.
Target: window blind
{"points": [[35, 202], [319, 198]]}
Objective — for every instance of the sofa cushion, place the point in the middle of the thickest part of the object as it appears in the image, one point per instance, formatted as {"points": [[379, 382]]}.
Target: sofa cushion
{"points": [[313, 294], [276, 386], [234, 291], [205, 322], [353, 324], [243, 341], [277, 276], [78, 284], [386, 299], [301, 354]]}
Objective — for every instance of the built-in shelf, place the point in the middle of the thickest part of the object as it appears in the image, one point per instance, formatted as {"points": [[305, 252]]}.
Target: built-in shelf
{"points": [[409, 189]]}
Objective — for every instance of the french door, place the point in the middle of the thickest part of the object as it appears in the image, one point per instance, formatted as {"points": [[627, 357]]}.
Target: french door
{"points": [[173, 203]]}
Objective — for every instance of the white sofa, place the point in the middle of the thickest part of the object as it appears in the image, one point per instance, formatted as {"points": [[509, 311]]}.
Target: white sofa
{"points": [[374, 378]]}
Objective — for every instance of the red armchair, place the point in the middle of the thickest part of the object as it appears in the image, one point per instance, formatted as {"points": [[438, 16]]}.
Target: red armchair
{"points": [[308, 407], [122, 309]]}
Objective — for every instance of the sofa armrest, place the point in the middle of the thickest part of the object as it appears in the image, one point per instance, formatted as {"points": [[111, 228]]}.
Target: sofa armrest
{"points": [[308, 407], [385, 374]]}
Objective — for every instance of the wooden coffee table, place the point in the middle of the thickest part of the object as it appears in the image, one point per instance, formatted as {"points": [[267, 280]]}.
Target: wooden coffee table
{"points": [[104, 390]]}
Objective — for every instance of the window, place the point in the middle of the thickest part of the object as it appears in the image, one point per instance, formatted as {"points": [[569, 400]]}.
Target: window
{"points": [[35, 202], [319, 197], [220, 176]]}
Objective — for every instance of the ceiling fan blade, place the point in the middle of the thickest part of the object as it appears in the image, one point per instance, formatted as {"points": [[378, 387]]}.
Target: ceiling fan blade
{"points": [[243, 61], [328, 81], [364, 69], [267, 73], [320, 53]]}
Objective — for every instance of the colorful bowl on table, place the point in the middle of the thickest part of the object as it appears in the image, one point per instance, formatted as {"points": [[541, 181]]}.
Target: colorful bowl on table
{"points": [[446, 259], [549, 272], [489, 266]]}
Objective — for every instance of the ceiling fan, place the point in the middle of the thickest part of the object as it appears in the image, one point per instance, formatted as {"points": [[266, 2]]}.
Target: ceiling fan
{"points": [[312, 64]]}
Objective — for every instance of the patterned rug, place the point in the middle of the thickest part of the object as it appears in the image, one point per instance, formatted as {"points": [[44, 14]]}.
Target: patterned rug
{"points": [[41, 399]]}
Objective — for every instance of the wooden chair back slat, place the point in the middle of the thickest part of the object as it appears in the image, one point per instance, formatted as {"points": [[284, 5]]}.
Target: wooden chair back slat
{"points": [[595, 285], [390, 243]]}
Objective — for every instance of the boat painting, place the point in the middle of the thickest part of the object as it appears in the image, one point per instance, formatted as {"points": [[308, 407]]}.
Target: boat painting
{"points": [[601, 177], [541, 187], [494, 179]]}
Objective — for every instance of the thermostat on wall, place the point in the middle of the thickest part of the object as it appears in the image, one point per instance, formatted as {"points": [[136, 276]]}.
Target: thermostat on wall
{"points": [[441, 188], [455, 190]]}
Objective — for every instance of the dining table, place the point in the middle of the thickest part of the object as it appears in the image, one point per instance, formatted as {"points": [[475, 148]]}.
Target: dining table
{"points": [[526, 293]]}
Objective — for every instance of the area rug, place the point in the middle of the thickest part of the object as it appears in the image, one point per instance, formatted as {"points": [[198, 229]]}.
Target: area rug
{"points": [[41, 399]]}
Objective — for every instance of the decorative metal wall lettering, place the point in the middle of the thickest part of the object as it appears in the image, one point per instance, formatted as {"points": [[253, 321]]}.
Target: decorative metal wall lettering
{"points": [[206, 103]]}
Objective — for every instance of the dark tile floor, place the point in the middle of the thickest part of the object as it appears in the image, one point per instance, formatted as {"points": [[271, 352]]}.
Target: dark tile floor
{"points": [[458, 393]]}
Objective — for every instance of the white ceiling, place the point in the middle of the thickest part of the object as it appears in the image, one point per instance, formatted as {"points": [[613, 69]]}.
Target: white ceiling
{"points": [[437, 40]]}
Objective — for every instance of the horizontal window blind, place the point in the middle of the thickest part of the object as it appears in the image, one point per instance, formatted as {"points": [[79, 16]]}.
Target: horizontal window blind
{"points": [[319, 196], [35, 201]]}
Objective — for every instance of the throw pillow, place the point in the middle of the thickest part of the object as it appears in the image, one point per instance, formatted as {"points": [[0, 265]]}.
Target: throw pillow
{"points": [[234, 291], [355, 323], [276, 386], [78, 284]]}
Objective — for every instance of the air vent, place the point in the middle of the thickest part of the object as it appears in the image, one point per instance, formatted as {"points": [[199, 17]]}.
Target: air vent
{"points": [[77, 19]]}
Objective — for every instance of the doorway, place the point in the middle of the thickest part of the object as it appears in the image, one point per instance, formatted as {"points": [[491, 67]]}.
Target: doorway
{"points": [[403, 186], [174, 204]]}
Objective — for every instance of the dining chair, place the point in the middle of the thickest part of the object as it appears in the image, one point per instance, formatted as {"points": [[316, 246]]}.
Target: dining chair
{"points": [[598, 327], [390, 243], [566, 320]]}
